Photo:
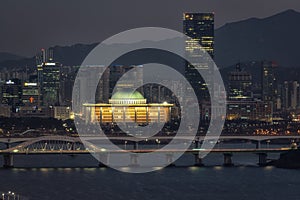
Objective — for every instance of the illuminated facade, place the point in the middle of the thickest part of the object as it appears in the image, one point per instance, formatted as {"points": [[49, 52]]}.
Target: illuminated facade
{"points": [[128, 107]]}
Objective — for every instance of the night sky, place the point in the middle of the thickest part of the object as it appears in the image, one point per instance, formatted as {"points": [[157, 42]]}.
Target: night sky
{"points": [[29, 25]]}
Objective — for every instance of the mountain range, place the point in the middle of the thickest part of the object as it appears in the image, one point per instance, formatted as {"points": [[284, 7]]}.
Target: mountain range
{"points": [[273, 38], [4, 56]]}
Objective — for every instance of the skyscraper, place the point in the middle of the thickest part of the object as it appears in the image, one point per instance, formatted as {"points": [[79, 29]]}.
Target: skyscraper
{"points": [[50, 83], [269, 82], [48, 78], [199, 27]]}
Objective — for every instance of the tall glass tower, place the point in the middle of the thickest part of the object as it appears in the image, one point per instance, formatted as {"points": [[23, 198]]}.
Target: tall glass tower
{"points": [[50, 83], [199, 27], [48, 78]]}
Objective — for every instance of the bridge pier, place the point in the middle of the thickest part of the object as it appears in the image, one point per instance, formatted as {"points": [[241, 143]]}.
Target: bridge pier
{"points": [[7, 145], [228, 160], [197, 142], [169, 160], [198, 161], [262, 159], [134, 160], [8, 161], [258, 145], [135, 145], [103, 159]]}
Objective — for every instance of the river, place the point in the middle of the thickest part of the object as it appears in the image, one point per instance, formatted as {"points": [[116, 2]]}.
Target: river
{"points": [[62, 177]]}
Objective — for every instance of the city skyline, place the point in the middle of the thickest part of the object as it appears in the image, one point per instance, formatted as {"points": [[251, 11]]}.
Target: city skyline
{"points": [[25, 36], [136, 99]]}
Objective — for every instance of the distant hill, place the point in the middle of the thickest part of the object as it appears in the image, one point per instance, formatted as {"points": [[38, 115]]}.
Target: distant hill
{"points": [[272, 38], [8, 56], [68, 56], [72, 55]]}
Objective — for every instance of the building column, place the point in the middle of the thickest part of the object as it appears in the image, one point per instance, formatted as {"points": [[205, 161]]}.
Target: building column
{"points": [[158, 114], [135, 115], [228, 160], [147, 115], [124, 115], [8, 161]]}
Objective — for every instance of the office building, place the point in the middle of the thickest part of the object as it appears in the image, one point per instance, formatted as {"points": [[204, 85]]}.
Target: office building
{"points": [[30, 94], [199, 27], [240, 85], [62, 112], [11, 94], [48, 78], [250, 110]]}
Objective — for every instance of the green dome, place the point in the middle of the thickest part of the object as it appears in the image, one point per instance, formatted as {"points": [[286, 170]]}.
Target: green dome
{"points": [[125, 94]]}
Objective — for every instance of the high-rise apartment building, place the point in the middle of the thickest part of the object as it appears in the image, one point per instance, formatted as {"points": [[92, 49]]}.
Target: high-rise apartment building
{"points": [[290, 95], [269, 83]]}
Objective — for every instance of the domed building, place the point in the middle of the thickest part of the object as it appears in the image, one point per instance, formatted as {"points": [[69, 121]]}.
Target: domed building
{"points": [[128, 106], [127, 97]]}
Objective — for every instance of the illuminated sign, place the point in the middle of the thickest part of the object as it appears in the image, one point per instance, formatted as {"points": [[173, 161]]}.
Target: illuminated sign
{"points": [[50, 64], [10, 82], [30, 84], [31, 99]]}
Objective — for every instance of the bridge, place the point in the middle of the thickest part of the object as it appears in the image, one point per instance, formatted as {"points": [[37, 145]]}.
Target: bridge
{"points": [[256, 138], [74, 145]]}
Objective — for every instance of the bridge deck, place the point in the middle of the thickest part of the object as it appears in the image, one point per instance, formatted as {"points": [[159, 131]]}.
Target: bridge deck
{"points": [[194, 151], [128, 138]]}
